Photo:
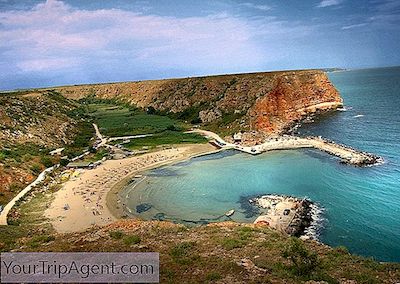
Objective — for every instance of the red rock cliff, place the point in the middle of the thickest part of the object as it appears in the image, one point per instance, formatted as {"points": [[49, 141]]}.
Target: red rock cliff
{"points": [[293, 97]]}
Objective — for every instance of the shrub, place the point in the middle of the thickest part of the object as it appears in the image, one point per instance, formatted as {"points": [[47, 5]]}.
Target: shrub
{"points": [[213, 276], [303, 261], [46, 161], [151, 110], [132, 240], [64, 162], [36, 168], [16, 187], [116, 234]]}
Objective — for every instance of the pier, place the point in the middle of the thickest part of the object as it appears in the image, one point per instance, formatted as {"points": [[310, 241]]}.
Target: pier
{"points": [[345, 153]]}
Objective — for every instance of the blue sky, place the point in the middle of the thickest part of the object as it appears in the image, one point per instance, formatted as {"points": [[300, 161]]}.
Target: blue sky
{"points": [[46, 43]]}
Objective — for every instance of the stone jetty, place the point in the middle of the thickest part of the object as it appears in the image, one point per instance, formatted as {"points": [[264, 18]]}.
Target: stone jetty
{"points": [[347, 154]]}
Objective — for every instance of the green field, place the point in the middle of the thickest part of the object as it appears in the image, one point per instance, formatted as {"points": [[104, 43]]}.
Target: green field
{"points": [[165, 138], [115, 119], [119, 120]]}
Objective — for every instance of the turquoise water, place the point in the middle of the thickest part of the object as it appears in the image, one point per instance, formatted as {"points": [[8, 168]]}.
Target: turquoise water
{"points": [[361, 205]]}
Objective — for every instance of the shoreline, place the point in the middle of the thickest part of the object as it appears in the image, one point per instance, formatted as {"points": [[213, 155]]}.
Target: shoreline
{"points": [[90, 197], [106, 181], [112, 197]]}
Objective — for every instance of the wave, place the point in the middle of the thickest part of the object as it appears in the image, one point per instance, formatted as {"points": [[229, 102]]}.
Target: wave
{"points": [[358, 115], [317, 223]]}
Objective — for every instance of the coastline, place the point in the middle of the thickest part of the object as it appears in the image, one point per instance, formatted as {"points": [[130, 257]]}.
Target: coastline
{"points": [[93, 195], [112, 196]]}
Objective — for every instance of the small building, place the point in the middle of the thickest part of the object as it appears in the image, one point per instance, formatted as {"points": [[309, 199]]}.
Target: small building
{"points": [[237, 137], [80, 165], [56, 151]]}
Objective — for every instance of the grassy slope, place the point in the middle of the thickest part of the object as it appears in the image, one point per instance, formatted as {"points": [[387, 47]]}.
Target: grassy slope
{"points": [[21, 160], [205, 254]]}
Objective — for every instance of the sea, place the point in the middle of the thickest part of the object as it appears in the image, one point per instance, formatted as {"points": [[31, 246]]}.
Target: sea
{"points": [[358, 207]]}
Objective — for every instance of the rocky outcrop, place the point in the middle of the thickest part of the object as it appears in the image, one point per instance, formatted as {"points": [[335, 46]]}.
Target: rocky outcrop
{"points": [[294, 97], [266, 102]]}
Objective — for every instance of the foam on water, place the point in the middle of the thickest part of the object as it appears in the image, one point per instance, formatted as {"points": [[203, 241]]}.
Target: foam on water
{"points": [[317, 224]]}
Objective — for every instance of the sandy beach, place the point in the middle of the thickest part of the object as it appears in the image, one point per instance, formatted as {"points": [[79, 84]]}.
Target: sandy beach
{"points": [[90, 198]]}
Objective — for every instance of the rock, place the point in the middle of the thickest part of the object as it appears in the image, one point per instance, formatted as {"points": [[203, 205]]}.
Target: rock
{"points": [[207, 116]]}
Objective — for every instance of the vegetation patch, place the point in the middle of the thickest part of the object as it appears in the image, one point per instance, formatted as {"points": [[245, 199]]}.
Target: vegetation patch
{"points": [[303, 261], [132, 240], [183, 253], [115, 119], [232, 243], [116, 234]]}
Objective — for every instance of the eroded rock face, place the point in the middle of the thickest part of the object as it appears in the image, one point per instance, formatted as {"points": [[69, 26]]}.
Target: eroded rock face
{"points": [[294, 96], [207, 116], [265, 102]]}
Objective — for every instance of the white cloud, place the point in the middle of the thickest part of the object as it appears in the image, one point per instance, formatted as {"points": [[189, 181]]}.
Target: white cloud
{"points": [[37, 65], [53, 36], [354, 26], [256, 6], [328, 3]]}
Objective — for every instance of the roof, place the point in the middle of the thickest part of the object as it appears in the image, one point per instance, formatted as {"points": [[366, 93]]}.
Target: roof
{"points": [[79, 164], [56, 151]]}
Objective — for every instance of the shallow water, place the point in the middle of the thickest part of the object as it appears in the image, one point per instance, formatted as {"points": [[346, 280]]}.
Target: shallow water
{"points": [[362, 205]]}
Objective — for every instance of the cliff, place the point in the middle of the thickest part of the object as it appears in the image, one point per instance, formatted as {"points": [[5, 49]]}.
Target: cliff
{"points": [[268, 102]]}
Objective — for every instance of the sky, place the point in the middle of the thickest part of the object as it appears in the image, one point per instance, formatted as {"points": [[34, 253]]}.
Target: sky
{"points": [[54, 42]]}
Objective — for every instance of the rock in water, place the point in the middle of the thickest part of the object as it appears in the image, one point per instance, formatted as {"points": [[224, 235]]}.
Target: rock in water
{"points": [[143, 207]]}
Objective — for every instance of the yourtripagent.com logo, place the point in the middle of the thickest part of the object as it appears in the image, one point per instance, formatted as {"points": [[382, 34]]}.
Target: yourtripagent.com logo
{"points": [[79, 267]]}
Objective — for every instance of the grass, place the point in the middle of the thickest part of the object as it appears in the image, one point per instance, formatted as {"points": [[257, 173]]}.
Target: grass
{"points": [[232, 243], [132, 240], [37, 241], [120, 120], [115, 119], [196, 254], [29, 228], [183, 253]]}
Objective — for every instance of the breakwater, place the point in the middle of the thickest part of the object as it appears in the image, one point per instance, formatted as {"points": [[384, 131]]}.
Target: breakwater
{"points": [[347, 154]]}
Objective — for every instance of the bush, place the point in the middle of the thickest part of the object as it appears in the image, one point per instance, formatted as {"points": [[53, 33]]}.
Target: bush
{"points": [[2, 156], [213, 276], [303, 261], [116, 234], [174, 128], [16, 187], [46, 161], [64, 162], [36, 169], [132, 240], [151, 110]]}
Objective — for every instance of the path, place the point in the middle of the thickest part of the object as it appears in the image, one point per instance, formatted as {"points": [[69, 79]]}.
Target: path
{"points": [[10, 205]]}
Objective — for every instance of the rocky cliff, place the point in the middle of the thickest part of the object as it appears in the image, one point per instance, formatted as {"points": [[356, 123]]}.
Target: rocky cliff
{"points": [[267, 102]]}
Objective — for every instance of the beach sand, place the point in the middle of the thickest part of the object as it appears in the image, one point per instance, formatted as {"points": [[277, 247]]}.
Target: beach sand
{"points": [[91, 197]]}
